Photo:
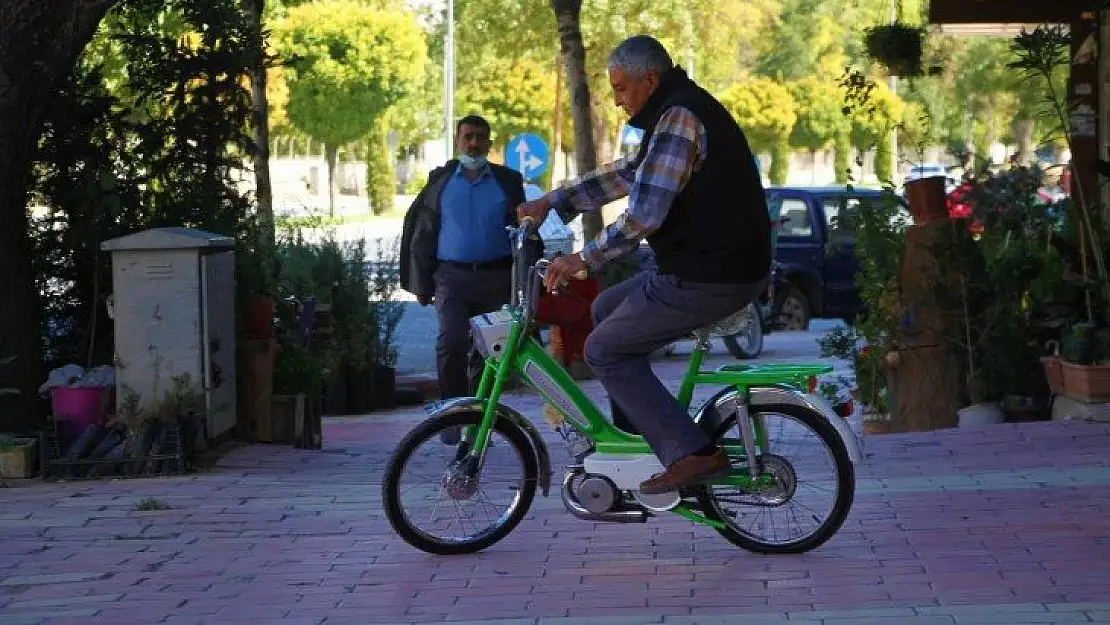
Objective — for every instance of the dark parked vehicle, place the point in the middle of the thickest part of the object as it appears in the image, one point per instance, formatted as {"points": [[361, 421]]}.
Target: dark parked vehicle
{"points": [[816, 252]]}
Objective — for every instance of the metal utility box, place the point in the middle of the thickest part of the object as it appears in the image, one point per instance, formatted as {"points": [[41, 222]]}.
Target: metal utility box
{"points": [[173, 304]]}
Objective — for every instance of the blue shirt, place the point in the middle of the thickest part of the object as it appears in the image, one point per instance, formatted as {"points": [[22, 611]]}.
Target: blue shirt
{"points": [[472, 219]]}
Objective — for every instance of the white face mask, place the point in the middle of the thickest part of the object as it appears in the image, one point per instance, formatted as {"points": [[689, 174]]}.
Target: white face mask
{"points": [[472, 162]]}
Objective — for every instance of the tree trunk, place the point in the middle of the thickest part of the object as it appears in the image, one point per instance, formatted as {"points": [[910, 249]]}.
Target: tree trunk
{"points": [[260, 124], [330, 153], [1023, 134], [557, 114], [574, 53], [40, 41]]}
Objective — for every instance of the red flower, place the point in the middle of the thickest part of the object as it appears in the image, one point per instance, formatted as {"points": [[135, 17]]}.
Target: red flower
{"points": [[956, 204]]}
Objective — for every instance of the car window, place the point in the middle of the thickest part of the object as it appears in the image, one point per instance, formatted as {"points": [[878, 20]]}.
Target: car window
{"points": [[794, 218]]}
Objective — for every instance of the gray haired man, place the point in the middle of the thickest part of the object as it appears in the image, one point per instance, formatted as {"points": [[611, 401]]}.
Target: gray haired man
{"points": [[695, 194]]}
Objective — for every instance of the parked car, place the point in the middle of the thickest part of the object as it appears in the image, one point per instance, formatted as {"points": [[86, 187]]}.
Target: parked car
{"points": [[816, 253]]}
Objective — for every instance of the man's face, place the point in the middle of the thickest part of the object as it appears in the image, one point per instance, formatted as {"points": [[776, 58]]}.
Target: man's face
{"points": [[472, 140], [632, 92]]}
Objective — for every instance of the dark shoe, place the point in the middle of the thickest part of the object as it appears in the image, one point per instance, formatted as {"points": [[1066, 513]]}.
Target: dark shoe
{"points": [[688, 471]]}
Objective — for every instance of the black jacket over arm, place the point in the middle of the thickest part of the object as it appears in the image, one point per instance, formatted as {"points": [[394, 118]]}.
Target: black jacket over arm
{"points": [[420, 234]]}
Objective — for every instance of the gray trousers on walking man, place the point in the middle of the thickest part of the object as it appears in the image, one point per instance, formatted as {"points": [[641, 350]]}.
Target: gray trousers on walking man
{"points": [[638, 316], [462, 293]]}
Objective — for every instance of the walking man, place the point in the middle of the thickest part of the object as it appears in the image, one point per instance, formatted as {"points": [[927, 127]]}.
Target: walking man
{"points": [[695, 194], [456, 252]]}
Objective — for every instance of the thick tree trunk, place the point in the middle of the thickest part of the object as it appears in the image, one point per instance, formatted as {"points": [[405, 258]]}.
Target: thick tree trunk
{"points": [[1023, 135], [557, 114], [574, 54], [40, 41], [260, 125]]}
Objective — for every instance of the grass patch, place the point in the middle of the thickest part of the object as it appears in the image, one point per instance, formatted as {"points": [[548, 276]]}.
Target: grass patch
{"points": [[150, 503], [324, 221]]}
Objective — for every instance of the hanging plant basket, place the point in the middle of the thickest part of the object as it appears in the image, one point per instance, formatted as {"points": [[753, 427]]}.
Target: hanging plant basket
{"points": [[898, 47]]}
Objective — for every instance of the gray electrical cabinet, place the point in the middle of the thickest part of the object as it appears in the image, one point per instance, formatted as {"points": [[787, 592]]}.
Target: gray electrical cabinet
{"points": [[173, 306]]}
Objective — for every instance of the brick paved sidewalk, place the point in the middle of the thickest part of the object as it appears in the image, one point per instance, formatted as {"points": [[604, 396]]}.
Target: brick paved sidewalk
{"points": [[1007, 524]]}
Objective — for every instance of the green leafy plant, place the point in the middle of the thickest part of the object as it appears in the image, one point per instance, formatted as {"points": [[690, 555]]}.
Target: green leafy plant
{"points": [[879, 228], [297, 372], [996, 268], [386, 311], [1041, 54], [901, 48]]}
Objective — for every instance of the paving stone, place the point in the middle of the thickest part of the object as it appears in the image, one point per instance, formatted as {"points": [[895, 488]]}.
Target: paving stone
{"points": [[1006, 524]]}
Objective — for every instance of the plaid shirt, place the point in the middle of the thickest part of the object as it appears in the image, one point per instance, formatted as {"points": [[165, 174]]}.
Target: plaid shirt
{"points": [[676, 150]]}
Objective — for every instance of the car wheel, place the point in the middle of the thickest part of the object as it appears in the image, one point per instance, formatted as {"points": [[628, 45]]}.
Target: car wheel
{"points": [[794, 312]]}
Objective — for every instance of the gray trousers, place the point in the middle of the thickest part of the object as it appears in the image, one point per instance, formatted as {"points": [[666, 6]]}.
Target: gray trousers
{"points": [[460, 295], [636, 317]]}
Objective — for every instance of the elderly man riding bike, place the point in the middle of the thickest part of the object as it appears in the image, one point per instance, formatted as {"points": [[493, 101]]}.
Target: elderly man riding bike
{"points": [[694, 192]]}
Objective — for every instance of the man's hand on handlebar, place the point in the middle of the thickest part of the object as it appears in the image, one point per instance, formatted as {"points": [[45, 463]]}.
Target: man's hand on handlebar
{"points": [[536, 209], [562, 269]]}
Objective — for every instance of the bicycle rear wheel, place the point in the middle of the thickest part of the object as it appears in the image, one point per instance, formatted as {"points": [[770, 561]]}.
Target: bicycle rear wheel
{"points": [[798, 439]]}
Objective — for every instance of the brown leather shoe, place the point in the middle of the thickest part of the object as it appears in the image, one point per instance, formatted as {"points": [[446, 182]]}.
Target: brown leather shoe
{"points": [[688, 471]]}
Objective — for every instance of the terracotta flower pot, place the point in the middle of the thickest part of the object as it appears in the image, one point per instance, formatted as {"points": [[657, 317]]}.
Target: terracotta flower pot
{"points": [[926, 199]]}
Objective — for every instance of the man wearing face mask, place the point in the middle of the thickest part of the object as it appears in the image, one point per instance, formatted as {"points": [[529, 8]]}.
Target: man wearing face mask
{"points": [[455, 250], [695, 194]]}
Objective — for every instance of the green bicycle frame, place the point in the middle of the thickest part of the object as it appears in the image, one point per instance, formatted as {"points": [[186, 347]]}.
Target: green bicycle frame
{"points": [[523, 355]]}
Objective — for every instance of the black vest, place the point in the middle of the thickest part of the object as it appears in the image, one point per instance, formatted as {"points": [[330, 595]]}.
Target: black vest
{"points": [[717, 229]]}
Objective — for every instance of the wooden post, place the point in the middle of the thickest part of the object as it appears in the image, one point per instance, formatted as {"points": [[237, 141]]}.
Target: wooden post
{"points": [[923, 376], [1083, 106]]}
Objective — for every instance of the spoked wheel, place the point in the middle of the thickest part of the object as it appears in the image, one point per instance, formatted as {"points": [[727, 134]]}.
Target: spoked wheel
{"points": [[445, 504], [812, 491]]}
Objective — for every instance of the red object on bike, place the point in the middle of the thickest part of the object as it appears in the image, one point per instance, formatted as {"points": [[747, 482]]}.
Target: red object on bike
{"points": [[568, 314]]}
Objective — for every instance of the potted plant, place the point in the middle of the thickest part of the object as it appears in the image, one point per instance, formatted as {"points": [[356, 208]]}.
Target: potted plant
{"points": [[902, 49], [1085, 366], [386, 313], [298, 384]]}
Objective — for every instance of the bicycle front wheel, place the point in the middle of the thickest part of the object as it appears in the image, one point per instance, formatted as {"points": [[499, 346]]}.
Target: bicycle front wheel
{"points": [[453, 506]]}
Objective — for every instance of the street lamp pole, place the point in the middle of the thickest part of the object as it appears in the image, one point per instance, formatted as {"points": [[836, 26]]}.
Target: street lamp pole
{"points": [[893, 84], [449, 82]]}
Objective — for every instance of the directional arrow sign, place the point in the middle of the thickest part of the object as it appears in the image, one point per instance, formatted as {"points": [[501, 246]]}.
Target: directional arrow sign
{"points": [[527, 153]]}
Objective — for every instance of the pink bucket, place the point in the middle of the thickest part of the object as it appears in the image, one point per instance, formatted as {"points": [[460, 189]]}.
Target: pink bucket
{"points": [[80, 407]]}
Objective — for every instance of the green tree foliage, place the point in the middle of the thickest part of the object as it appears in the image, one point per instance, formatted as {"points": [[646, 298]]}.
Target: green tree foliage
{"points": [[380, 182], [347, 64], [764, 109], [150, 130], [820, 115], [514, 95]]}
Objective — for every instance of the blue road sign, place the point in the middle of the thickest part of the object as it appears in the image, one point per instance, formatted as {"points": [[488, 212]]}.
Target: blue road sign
{"points": [[527, 153]]}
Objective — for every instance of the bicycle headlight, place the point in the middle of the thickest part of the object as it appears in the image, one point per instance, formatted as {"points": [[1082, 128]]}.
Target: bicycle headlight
{"points": [[490, 332]]}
